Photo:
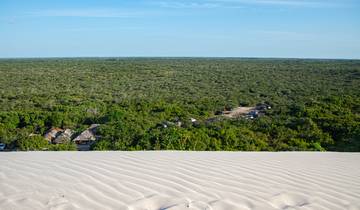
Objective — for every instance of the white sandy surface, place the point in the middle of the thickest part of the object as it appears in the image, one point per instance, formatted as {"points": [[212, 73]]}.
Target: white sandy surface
{"points": [[179, 180]]}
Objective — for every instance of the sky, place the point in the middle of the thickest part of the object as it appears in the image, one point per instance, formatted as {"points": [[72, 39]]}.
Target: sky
{"points": [[180, 28]]}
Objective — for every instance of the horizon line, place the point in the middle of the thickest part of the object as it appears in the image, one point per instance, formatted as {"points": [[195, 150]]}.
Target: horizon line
{"points": [[171, 57]]}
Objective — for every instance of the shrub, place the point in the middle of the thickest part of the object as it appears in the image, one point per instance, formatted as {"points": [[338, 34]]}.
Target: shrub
{"points": [[63, 147], [31, 143]]}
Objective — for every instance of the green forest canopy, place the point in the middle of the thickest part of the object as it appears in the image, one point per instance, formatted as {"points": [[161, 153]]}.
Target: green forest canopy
{"points": [[315, 103]]}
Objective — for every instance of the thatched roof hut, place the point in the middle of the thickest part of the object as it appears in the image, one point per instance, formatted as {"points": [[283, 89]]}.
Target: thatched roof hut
{"points": [[87, 135], [64, 137], [51, 134], [86, 138]]}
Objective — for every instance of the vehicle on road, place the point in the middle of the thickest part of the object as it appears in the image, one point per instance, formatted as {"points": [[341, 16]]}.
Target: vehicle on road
{"points": [[2, 146]]}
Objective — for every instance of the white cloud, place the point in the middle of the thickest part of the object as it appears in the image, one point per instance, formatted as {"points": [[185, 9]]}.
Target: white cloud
{"points": [[303, 3], [97, 13], [210, 4], [103, 29], [189, 5]]}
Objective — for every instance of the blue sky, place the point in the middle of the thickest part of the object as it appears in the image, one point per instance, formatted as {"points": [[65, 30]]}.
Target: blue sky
{"points": [[209, 28]]}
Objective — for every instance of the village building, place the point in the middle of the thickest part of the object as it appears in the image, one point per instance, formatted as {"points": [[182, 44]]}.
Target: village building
{"points": [[51, 134], [86, 138], [64, 137]]}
